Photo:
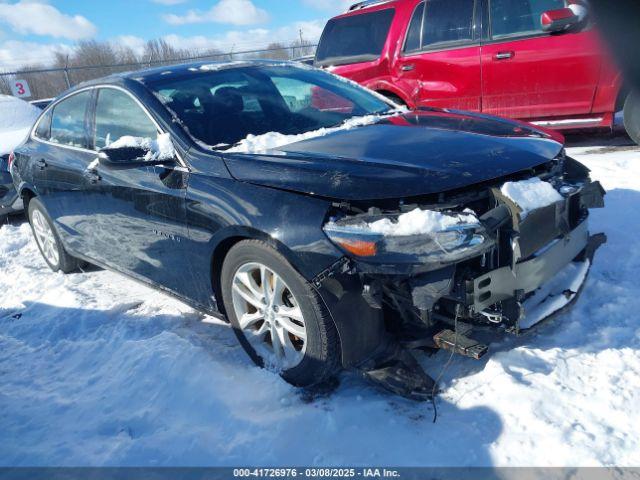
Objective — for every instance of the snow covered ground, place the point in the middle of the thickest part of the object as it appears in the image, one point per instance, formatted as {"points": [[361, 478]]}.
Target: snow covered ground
{"points": [[98, 370]]}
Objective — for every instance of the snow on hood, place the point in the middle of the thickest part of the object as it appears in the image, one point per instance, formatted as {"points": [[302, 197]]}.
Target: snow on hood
{"points": [[16, 119], [159, 149], [531, 194], [273, 140]]}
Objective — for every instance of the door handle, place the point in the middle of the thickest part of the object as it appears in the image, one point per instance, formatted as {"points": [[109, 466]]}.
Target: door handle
{"points": [[504, 55], [42, 164], [92, 176], [408, 67]]}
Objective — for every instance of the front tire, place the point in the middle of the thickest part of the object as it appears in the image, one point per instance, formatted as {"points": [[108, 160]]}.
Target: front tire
{"points": [[632, 116], [48, 240], [277, 316]]}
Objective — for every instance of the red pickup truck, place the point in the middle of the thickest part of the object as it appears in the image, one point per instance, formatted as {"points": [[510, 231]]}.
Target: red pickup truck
{"points": [[535, 60]]}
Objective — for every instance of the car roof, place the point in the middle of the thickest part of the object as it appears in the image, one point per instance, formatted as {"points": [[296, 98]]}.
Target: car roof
{"points": [[151, 75], [366, 7]]}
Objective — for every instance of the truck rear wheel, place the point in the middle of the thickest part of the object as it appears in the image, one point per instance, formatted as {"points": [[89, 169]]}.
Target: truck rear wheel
{"points": [[632, 116]]}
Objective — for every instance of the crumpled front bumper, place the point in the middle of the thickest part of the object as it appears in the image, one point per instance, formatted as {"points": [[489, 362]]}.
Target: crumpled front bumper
{"points": [[544, 285], [528, 276]]}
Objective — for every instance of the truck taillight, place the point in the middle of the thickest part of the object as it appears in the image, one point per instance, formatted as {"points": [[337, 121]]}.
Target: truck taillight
{"points": [[12, 157]]}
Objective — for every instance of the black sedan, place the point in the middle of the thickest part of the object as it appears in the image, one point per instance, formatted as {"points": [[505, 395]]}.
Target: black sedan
{"points": [[330, 227]]}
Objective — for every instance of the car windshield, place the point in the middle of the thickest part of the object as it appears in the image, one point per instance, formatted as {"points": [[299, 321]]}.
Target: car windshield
{"points": [[222, 106], [356, 38]]}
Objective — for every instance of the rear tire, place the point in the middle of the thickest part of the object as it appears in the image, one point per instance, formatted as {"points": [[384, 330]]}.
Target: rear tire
{"points": [[253, 270], [632, 116], [48, 240], [394, 98]]}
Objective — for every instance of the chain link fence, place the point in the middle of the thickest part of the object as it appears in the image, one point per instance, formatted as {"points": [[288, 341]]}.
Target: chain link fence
{"points": [[46, 83]]}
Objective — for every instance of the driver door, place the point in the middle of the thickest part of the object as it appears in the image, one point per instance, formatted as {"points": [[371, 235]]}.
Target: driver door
{"points": [[137, 220]]}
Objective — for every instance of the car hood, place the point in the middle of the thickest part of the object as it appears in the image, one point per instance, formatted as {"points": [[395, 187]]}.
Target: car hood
{"points": [[406, 155]]}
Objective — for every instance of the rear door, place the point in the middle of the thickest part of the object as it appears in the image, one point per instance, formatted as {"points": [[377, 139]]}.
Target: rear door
{"points": [[60, 158], [527, 73], [439, 64]]}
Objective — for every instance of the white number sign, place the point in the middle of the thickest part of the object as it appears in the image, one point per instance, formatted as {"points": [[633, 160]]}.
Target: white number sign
{"points": [[20, 88]]}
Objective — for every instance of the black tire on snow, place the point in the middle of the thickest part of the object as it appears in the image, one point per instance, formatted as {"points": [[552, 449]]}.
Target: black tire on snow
{"points": [[66, 263], [394, 98], [632, 116], [322, 356]]}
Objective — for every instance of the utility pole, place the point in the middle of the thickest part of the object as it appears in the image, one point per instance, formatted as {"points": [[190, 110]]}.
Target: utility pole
{"points": [[302, 50], [66, 72]]}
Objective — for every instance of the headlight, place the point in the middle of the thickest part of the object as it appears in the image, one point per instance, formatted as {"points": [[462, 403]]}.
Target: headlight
{"points": [[420, 236]]}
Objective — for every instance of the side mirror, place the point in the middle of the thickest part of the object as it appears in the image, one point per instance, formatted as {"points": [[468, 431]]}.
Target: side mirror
{"points": [[122, 156], [561, 20], [134, 152]]}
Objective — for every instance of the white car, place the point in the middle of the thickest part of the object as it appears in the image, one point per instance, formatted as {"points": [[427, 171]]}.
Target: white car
{"points": [[16, 119]]}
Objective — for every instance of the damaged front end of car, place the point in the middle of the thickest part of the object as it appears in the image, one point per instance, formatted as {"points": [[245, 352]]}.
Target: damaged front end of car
{"points": [[433, 269]]}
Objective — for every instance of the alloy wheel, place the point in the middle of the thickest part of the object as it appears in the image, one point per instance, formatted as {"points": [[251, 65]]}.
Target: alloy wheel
{"points": [[269, 315], [45, 237]]}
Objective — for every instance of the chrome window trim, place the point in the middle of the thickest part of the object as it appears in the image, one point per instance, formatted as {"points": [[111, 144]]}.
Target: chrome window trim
{"points": [[406, 34], [51, 107], [33, 136]]}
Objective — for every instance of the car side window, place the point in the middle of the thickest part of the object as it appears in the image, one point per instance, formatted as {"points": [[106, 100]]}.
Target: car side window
{"points": [[117, 116], [519, 17], [414, 33], [447, 21], [68, 120], [43, 131]]}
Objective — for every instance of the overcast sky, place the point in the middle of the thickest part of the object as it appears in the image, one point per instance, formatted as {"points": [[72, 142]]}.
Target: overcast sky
{"points": [[30, 30]]}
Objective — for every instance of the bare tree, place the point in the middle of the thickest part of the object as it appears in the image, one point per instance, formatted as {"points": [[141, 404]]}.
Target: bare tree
{"points": [[276, 51], [158, 52], [93, 59], [302, 48]]}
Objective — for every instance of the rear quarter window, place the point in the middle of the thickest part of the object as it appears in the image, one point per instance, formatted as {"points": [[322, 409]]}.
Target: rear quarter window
{"points": [[68, 123], [43, 130], [357, 38]]}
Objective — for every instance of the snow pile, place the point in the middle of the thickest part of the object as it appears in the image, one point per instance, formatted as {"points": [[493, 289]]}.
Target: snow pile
{"points": [[16, 119], [531, 194], [416, 222], [159, 149], [97, 370], [273, 140]]}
